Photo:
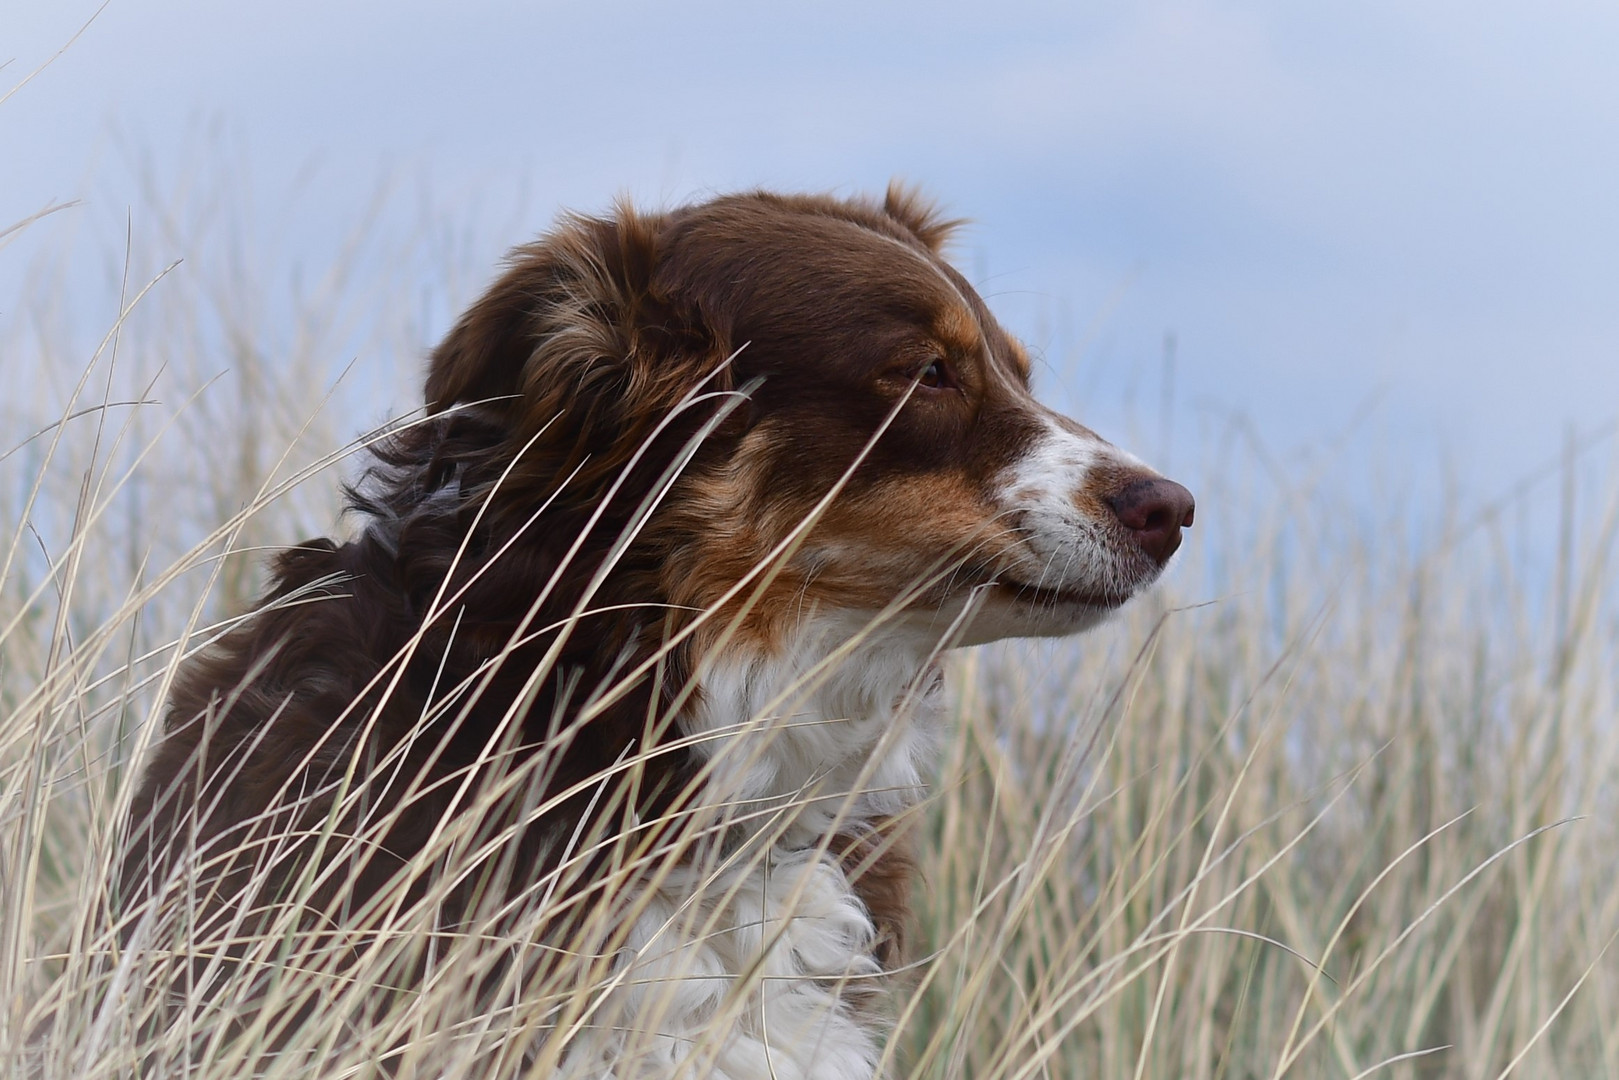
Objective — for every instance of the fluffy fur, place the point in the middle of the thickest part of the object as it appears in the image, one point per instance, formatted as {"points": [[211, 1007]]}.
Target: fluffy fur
{"points": [[644, 618]]}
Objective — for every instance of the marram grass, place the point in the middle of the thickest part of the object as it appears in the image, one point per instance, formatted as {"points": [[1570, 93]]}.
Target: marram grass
{"points": [[1323, 805]]}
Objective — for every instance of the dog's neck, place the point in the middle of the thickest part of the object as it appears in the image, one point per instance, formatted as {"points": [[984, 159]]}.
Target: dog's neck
{"points": [[824, 732]]}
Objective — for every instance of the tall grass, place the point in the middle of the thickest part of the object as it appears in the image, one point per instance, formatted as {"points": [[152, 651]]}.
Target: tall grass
{"points": [[1337, 800]]}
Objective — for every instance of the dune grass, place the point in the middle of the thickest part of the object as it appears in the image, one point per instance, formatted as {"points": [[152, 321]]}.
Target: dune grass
{"points": [[1335, 801]]}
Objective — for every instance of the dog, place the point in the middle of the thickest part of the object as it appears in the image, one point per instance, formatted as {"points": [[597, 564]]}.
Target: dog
{"points": [[637, 649]]}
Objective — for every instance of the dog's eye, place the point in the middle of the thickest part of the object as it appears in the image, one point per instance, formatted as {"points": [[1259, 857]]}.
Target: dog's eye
{"points": [[934, 376]]}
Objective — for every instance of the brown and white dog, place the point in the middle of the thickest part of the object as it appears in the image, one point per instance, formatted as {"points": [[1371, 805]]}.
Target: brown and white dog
{"points": [[698, 501]]}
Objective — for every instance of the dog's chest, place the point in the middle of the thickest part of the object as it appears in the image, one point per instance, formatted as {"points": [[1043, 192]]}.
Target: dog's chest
{"points": [[758, 961], [756, 972]]}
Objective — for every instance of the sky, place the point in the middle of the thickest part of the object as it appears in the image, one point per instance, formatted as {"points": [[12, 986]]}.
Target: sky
{"points": [[1387, 226]]}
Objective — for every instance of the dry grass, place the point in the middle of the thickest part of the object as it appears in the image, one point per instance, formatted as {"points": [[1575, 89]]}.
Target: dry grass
{"points": [[1337, 801]]}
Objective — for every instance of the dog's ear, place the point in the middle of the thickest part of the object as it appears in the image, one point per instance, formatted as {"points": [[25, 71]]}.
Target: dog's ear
{"points": [[572, 338], [482, 357], [920, 216]]}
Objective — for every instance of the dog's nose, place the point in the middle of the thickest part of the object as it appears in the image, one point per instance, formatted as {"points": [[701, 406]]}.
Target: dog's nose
{"points": [[1155, 511]]}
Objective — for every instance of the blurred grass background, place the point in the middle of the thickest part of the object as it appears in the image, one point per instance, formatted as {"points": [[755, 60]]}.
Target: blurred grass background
{"points": [[1337, 800]]}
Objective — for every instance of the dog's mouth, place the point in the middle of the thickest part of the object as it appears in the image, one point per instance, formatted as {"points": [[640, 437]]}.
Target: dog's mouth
{"points": [[1042, 596], [1027, 594]]}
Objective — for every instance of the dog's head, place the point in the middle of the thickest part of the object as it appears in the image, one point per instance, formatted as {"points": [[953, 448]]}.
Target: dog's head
{"points": [[817, 409]]}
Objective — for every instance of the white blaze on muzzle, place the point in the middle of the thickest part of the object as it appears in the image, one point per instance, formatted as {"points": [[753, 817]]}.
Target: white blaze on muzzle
{"points": [[1054, 498]]}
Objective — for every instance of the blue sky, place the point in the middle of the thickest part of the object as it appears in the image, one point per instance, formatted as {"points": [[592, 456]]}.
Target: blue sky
{"points": [[1406, 208]]}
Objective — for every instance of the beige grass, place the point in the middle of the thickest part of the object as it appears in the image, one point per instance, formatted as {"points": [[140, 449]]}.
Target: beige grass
{"points": [[1334, 802]]}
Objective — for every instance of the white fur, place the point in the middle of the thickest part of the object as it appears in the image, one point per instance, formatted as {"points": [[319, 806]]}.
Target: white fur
{"points": [[737, 974], [833, 727], [740, 967], [1068, 547]]}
